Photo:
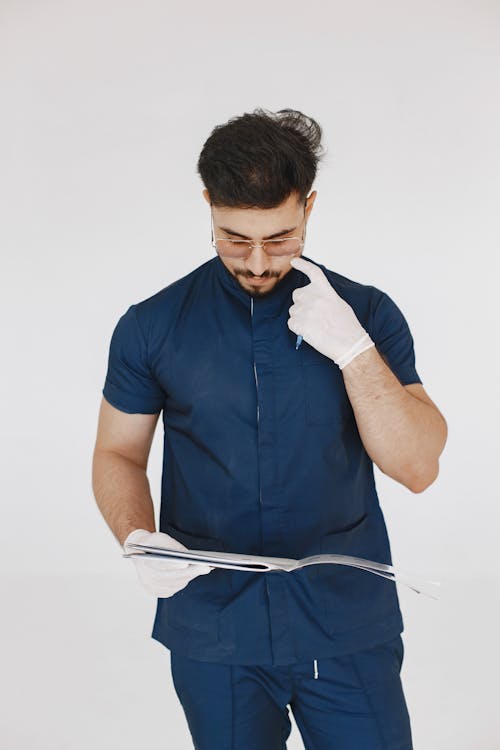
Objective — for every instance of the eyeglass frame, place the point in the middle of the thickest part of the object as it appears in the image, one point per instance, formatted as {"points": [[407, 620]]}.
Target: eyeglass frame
{"points": [[252, 244]]}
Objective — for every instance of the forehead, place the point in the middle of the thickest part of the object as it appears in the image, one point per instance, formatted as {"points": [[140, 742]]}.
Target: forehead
{"points": [[264, 221]]}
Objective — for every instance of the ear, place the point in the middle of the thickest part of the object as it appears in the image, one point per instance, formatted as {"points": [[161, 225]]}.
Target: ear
{"points": [[310, 202], [206, 195]]}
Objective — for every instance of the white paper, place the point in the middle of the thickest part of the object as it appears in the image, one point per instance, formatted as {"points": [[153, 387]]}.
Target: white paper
{"points": [[261, 564]]}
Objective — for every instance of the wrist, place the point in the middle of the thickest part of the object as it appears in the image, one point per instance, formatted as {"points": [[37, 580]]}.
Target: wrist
{"points": [[364, 343]]}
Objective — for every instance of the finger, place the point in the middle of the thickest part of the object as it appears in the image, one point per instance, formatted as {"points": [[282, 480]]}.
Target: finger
{"points": [[158, 586], [310, 269], [317, 277], [183, 576], [205, 569], [161, 592], [299, 293], [156, 564], [198, 570]]}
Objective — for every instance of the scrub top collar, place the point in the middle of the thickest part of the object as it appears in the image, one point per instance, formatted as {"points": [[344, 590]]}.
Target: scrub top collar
{"points": [[272, 303]]}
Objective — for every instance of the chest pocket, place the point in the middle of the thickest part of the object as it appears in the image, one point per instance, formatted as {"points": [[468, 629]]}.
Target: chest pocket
{"points": [[326, 400]]}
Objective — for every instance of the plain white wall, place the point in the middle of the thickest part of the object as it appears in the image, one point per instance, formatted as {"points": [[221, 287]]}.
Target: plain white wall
{"points": [[105, 108]]}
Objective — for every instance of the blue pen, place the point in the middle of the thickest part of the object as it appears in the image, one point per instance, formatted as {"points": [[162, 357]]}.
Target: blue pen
{"points": [[299, 341]]}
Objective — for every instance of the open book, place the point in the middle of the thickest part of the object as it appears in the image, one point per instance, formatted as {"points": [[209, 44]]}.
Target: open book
{"points": [[260, 564]]}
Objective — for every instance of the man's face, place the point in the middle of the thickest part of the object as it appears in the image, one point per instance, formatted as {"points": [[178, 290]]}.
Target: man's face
{"points": [[259, 274]]}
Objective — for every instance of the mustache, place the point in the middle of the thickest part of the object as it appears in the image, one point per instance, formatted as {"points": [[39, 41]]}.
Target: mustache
{"points": [[268, 275]]}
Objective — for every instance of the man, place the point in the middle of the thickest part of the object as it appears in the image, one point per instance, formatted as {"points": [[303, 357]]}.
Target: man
{"points": [[269, 449]]}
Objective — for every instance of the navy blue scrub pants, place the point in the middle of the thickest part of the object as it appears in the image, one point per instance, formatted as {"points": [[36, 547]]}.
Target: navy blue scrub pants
{"points": [[353, 702]]}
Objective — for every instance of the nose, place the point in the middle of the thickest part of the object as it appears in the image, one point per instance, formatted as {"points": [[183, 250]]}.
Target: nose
{"points": [[257, 261]]}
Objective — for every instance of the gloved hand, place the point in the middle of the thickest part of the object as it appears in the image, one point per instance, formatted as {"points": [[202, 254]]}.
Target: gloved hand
{"points": [[163, 578], [324, 319]]}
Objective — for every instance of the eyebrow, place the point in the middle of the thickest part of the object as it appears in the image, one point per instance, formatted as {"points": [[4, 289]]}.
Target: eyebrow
{"points": [[270, 237]]}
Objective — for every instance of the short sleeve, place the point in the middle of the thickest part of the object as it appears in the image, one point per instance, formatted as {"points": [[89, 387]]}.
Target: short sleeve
{"points": [[393, 339], [129, 384]]}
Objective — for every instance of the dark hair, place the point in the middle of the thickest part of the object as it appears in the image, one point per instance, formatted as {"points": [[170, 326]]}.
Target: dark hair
{"points": [[260, 158]]}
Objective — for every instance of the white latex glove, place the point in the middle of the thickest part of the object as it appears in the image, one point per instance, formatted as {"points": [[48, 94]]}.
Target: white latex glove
{"points": [[324, 319], [163, 578]]}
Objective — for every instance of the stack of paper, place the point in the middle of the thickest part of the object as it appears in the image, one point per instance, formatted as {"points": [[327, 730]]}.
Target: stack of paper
{"points": [[260, 564]]}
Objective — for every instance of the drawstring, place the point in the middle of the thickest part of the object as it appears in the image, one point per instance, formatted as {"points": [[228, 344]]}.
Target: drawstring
{"points": [[315, 669]]}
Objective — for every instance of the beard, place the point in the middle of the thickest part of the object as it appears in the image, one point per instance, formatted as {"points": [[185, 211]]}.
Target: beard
{"points": [[272, 281]]}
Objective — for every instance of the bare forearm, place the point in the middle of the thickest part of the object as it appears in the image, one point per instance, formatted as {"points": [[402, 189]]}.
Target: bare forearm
{"points": [[402, 435], [122, 492]]}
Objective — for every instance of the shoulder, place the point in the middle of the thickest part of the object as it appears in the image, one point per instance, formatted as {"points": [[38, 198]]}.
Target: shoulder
{"points": [[164, 305]]}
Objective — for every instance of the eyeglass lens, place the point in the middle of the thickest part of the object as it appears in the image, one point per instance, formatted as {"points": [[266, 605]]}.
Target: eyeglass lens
{"points": [[241, 248]]}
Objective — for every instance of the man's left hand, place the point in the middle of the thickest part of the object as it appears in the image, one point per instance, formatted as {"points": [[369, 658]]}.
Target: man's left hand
{"points": [[324, 319]]}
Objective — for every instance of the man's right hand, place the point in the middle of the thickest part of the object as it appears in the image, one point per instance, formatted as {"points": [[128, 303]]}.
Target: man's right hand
{"points": [[163, 578]]}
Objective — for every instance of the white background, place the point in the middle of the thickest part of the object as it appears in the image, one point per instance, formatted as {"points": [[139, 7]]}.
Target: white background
{"points": [[105, 108]]}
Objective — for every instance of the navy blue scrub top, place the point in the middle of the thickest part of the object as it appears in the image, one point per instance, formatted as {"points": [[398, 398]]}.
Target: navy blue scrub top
{"points": [[262, 455]]}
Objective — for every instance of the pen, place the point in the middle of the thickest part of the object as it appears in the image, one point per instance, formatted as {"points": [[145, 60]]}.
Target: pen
{"points": [[299, 341]]}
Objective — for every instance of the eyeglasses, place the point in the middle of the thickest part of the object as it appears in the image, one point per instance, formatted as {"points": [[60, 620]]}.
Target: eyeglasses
{"points": [[277, 248]]}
